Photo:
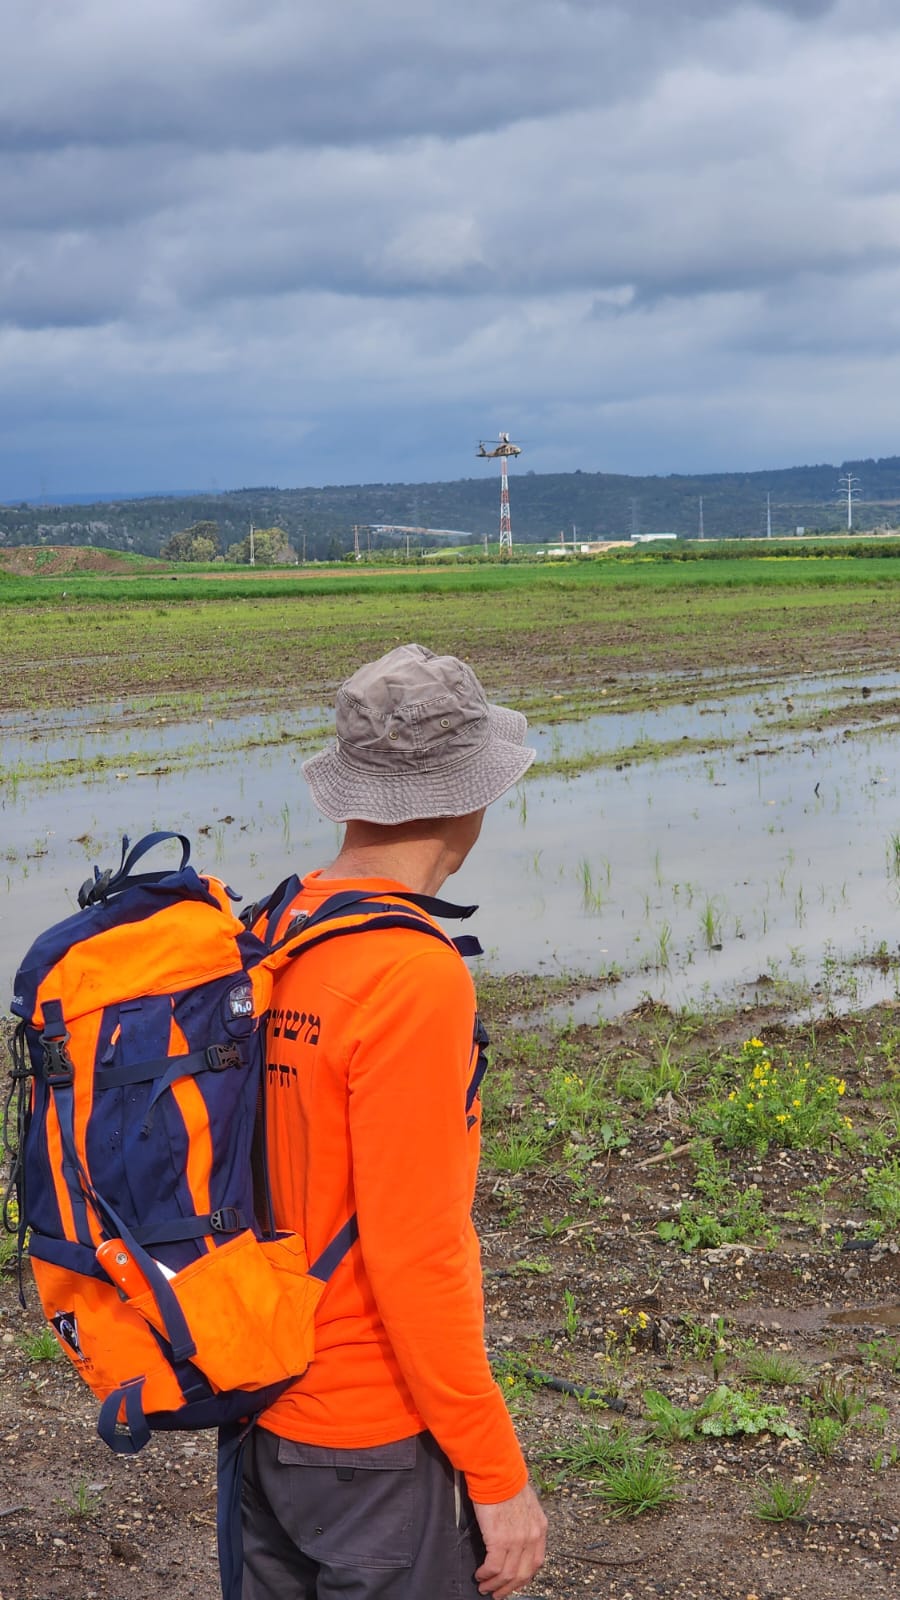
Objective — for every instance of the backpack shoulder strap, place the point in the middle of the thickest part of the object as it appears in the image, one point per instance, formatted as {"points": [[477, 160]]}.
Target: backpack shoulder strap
{"points": [[355, 912]]}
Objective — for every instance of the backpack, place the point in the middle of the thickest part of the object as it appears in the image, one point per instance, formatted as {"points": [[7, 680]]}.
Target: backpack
{"points": [[139, 1153]]}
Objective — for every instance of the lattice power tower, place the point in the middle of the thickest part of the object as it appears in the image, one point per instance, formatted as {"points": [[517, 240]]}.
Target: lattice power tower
{"points": [[502, 451]]}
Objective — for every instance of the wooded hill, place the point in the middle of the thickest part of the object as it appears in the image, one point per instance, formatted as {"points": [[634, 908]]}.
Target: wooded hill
{"points": [[319, 522]]}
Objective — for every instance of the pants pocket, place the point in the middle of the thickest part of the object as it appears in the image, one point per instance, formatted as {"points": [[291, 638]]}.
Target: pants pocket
{"points": [[350, 1507]]}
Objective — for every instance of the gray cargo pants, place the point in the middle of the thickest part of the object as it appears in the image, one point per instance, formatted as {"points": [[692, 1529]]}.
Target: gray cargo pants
{"points": [[390, 1523]]}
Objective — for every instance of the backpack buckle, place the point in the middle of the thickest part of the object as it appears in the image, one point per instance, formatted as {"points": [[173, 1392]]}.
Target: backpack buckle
{"points": [[58, 1068], [95, 889], [226, 1220], [219, 1057]]}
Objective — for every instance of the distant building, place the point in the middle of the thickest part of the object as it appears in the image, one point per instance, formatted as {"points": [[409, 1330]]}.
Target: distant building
{"points": [[649, 538], [590, 547]]}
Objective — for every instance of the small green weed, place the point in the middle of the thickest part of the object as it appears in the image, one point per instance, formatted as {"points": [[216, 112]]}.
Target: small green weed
{"points": [[512, 1210], [711, 924], [577, 1102], [553, 1229], [883, 1191], [778, 1501], [649, 1082], [571, 1315], [810, 1204], [41, 1346], [668, 1422], [823, 1434], [593, 1450], [592, 894], [515, 1388], [85, 1501], [517, 1149], [643, 1481], [497, 1097], [839, 1399], [712, 1178], [774, 1370], [704, 1340], [698, 1228], [663, 944], [881, 1353]]}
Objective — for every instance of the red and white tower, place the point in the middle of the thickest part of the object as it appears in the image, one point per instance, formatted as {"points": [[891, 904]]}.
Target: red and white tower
{"points": [[505, 524], [502, 450]]}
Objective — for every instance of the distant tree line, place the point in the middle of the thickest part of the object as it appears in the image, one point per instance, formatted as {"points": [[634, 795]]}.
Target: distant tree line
{"points": [[317, 524]]}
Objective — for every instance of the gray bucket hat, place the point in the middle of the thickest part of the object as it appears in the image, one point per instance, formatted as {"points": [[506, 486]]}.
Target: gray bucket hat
{"points": [[416, 738]]}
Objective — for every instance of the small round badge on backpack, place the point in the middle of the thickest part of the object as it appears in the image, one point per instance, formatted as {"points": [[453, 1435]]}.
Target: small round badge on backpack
{"points": [[239, 1009]]}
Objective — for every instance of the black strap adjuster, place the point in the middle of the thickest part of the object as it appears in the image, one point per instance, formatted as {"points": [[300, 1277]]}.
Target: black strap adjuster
{"points": [[219, 1057], [226, 1220], [57, 1064]]}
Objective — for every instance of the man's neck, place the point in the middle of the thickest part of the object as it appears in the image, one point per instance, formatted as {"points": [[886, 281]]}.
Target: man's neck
{"points": [[420, 866], [421, 855]]}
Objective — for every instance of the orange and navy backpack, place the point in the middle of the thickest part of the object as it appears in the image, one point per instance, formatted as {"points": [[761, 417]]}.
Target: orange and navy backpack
{"points": [[139, 1152]]}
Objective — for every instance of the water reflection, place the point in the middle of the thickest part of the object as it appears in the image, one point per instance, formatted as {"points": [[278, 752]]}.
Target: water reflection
{"points": [[692, 877]]}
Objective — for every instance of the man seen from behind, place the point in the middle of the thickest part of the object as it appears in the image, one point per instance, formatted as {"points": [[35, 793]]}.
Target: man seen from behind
{"points": [[391, 1471]]}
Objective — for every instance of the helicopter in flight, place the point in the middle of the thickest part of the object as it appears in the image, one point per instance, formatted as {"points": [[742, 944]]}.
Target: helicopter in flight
{"points": [[502, 447]]}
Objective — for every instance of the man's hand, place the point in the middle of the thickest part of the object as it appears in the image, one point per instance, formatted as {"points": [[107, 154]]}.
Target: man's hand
{"points": [[515, 1538]]}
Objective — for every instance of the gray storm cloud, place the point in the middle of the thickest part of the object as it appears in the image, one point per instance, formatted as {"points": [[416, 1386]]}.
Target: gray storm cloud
{"points": [[231, 224]]}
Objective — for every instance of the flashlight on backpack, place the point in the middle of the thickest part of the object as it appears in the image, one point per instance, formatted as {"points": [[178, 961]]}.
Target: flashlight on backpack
{"points": [[121, 1267]]}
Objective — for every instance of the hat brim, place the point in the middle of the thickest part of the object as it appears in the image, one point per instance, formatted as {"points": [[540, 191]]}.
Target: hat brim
{"points": [[344, 792]]}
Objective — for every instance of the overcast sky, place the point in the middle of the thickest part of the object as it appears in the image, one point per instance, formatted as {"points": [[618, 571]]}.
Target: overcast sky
{"points": [[334, 241]]}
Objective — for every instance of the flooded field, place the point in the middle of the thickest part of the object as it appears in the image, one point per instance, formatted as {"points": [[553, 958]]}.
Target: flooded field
{"points": [[688, 1209], [765, 858]]}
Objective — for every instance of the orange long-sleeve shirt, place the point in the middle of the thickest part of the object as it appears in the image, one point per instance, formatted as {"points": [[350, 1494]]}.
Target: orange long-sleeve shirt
{"points": [[367, 1113]]}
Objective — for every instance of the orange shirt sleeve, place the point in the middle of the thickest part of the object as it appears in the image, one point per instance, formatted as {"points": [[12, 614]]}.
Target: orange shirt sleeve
{"points": [[414, 1164]]}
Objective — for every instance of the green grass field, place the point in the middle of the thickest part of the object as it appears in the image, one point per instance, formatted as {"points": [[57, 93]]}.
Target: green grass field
{"points": [[534, 631]]}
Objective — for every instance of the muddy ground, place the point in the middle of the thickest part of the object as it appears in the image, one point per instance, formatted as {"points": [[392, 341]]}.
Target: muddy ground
{"points": [[581, 1289]]}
